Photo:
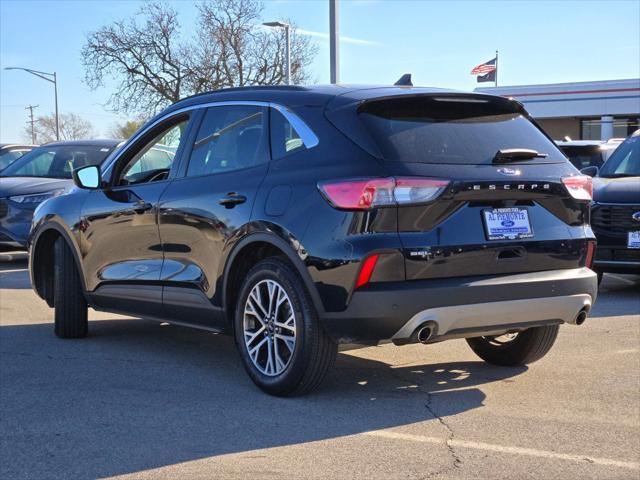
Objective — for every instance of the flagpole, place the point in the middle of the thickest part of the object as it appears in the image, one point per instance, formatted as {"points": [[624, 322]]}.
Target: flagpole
{"points": [[496, 79]]}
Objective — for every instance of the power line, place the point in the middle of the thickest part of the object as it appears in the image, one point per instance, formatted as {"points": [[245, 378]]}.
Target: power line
{"points": [[32, 121]]}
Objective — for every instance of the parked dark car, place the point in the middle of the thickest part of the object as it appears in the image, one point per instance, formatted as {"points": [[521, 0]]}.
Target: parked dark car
{"points": [[42, 173], [587, 153], [300, 218], [615, 212], [10, 152]]}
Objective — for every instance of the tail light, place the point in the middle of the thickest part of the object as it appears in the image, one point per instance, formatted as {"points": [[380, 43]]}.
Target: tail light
{"points": [[591, 250], [579, 187], [380, 192]]}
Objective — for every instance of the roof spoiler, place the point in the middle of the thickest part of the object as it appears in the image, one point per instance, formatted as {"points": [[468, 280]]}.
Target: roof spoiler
{"points": [[404, 81]]}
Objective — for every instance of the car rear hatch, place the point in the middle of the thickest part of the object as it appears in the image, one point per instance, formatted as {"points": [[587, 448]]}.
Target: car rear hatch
{"points": [[486, 213]]}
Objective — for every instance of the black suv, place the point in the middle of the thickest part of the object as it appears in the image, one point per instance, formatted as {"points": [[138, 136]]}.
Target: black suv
{"points": [[300, 218]]}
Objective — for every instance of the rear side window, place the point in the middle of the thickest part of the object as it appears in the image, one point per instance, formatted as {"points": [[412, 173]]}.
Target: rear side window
{"points": [[285, 139], [450, 130], [230, 138]]}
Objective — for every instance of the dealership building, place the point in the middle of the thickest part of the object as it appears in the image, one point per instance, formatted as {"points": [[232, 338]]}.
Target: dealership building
{"points": [[580, 110]]}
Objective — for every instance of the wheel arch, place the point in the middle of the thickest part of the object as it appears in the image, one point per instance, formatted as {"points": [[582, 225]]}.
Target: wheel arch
{"points": [[253, 248], [41, 258]]}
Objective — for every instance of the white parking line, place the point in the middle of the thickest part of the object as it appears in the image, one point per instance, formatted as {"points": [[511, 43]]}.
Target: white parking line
{"points": [[489, 447]]}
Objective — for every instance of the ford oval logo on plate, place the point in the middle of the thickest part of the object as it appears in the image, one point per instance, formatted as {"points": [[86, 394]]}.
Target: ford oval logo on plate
{"points": [[509, 171], [507, 223]]}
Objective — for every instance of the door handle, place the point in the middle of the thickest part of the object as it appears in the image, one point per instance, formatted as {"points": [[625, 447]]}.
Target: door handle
{"points": [[232, 199]]}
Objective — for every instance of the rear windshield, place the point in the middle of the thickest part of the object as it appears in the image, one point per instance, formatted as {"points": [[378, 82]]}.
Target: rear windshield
{"points": [[455, 131], [582, 156]]}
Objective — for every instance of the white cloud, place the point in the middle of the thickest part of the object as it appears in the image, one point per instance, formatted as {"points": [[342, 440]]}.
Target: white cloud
{"points": [[350, 40]]}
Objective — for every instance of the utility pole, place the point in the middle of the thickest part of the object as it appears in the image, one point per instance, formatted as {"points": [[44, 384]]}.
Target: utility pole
{"points": [[334, 41], [32, 121]]}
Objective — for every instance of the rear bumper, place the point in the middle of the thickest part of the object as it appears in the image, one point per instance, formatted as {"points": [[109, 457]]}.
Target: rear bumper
{"points": [[463, 307]]}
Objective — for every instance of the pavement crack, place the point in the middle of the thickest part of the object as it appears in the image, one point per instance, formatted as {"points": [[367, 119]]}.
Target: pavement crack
{"points": [[457, 461], [455, 458]]}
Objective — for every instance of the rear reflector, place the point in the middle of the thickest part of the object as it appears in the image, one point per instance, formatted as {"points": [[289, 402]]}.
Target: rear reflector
{"points": [[365, 194], [591, 250], [579, 187], [366, 270]]}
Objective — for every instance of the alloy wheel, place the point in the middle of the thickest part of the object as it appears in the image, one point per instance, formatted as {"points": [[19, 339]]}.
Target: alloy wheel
{"points": [[269, 328]]}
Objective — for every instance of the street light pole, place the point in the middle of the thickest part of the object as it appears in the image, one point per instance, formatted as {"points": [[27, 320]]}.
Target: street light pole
{"points": [[334, 41], [287, 53], [49, 77], [55, 92]]}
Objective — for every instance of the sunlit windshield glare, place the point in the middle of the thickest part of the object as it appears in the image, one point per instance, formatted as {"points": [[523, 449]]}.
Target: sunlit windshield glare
{"points": [[56, 161]]}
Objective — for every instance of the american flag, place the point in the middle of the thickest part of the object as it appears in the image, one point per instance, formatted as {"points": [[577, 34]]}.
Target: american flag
{"points": [[485, 67]]}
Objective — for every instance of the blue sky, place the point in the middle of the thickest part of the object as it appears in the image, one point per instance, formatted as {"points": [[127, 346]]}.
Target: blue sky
{"points": [[437, 41]]}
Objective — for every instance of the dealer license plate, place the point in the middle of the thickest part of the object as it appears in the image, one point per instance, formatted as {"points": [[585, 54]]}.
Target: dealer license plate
{"points": [[633, 241], [507, 223]]}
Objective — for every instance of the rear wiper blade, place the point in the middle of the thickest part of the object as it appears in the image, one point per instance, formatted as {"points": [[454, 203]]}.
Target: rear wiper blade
{"points": [[516, 154]]}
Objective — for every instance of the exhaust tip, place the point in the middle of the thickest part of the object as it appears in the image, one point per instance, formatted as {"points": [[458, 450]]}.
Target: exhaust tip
{"points": [[581, 317], [424, 334]]}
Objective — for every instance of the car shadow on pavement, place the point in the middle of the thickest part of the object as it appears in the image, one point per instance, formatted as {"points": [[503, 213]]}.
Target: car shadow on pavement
{"points": [[14, 274], [136, 395]]}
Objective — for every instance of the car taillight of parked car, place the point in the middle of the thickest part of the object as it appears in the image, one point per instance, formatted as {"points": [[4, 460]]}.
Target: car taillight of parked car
{"points": [[365, 194]]}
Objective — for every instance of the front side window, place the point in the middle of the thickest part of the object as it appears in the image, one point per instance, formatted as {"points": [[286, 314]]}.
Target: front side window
{"points": [[230, 138], [154, 161]]}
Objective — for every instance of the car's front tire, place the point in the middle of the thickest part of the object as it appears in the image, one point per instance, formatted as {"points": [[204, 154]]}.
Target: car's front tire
{"points": [[283, 348], [69, 304], [516, 349]]}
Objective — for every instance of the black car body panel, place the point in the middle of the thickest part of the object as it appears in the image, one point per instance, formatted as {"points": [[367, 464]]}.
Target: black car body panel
{"points": [[174, 248]]}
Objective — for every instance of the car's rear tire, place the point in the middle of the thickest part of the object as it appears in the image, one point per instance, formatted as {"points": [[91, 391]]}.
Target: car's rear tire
{"points": [[283, 348], [69, 304], [524, 348], [600, 276]]}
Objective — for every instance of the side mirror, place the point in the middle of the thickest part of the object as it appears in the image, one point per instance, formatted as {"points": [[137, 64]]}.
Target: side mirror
{"points": [[592, 171], [87, 177]]}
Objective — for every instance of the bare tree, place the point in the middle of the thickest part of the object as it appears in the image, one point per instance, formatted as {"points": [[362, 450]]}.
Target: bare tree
{"points": [[156, 65], [126, 129], [72, 127], [145, 58], [236, 52]]}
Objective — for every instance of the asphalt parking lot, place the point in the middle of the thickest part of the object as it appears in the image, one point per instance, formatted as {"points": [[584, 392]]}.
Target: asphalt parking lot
{"points": [[137, 399]]}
